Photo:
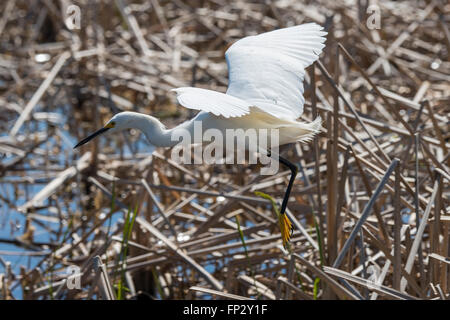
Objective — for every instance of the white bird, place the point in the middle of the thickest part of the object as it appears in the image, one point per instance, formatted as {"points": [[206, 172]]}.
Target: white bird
{"points": [[265, 91]]}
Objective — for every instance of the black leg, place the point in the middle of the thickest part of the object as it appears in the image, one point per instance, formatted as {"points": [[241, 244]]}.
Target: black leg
{"points": [[285, 224], [294, 171]]}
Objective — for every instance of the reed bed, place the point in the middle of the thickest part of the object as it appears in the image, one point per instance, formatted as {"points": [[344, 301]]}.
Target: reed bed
{"points": [[370, 204]]}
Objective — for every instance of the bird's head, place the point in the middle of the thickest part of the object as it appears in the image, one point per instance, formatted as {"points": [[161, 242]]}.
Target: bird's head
{"points": [[119, 122]]}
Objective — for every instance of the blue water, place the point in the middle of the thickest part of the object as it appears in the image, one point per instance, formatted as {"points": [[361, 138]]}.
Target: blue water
{"points": [[12, 222]]}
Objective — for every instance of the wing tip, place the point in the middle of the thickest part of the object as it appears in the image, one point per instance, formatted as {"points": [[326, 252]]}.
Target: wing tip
{"points": [[316, 27], [177, 90]]}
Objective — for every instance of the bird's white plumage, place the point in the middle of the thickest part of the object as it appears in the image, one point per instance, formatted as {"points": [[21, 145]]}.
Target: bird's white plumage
{"points": [[217, 103], [265, 92], [265, 71]]}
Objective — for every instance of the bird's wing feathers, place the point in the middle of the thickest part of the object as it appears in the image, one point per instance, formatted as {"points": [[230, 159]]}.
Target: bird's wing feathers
{"points": [[219, 104], [265, 71]]}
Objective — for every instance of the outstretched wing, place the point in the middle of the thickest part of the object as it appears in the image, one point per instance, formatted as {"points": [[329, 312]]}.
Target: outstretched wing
{"points": [[219, 104], [267, 70]]}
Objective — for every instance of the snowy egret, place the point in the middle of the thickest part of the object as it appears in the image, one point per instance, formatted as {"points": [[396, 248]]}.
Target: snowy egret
{"points": [[265, 91]]}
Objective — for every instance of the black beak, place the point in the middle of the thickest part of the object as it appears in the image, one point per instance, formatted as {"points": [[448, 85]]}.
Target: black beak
{"points": [[92, 136]]}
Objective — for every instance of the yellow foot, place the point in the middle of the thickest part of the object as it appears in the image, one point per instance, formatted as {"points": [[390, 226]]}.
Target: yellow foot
{"points": [[286, 228]]}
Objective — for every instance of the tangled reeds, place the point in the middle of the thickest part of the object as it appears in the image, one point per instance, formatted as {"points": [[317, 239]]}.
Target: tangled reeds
{"points": [[370, 205]]}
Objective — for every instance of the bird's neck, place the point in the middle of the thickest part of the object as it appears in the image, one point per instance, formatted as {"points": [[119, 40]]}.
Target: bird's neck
{"points": [[155, 132]]}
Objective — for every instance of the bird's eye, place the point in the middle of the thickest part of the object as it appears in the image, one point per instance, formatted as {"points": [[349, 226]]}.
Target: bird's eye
{"points": [[110, 125]]}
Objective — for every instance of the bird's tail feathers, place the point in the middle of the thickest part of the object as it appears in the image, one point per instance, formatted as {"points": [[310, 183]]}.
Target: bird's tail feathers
{"points": [[300, 131], [310, 129]]}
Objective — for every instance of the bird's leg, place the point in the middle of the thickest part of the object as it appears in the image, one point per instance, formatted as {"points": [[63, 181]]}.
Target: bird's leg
{"points": [[294, 171], [285, 223]]}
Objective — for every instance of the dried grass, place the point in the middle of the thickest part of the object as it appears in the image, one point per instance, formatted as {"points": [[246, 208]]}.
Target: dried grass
{"points": [[370, 203]]}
